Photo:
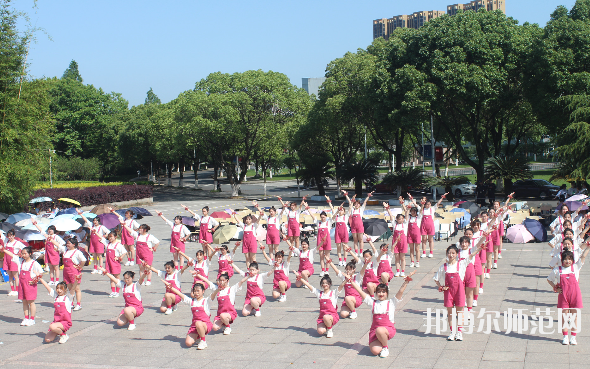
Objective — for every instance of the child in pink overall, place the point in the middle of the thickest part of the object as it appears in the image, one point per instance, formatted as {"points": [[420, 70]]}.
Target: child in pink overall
{"points": [[115, 252], [172, 277], [427, 224], [132, 296], [207, 226], [74, 260], [305, 261], [98, 232], [273, 235], [324, 241], [385, 257], [328, 304], [414, 234], [54, 245], [564, 280], [280, 282], [356, 220], [226, 299], [352, 299], [292, 213], [383, 311], [341, 234], [10, 264], [249, 242], [369, 273], [62, 315], [177, 240], [201, 324], [126, 239], [255, 297], [224, 259], [201, 267], [466, 247], [146, 244], [399, 242]]}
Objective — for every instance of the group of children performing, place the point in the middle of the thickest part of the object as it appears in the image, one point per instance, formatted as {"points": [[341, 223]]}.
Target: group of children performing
{"points": [[467, 264]]}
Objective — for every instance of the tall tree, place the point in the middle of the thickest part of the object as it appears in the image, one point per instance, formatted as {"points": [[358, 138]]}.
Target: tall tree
{"points": [[152, 98], [72, 72]]}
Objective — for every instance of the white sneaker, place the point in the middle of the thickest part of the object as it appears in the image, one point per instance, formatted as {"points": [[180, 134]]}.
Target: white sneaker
{"points": [[396, 274], [474, 303], [480, 290], [412, 264], [128, 263], [64, 338], [329, 333], [257, 313], [116, 294], [95, 271], [573, 340], [495, 266], [202, 345], [418, 265], [132, 263], [30, 322], [12, 293], [144, 283], [499, 256], [402, 274], [353, 315], [131, 327], [423, 255], [78, 307], [148, 283], [565, 341], [51, 283], [430, 255], [459, 336], [168, 311], [451, 337], [227, 331], [326, 273], [384, 352], [283, 298], [175, 307], [24, 323], [487, 276]]}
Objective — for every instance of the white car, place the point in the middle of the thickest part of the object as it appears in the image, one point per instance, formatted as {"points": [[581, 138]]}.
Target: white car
{"points": [[459, 190]]}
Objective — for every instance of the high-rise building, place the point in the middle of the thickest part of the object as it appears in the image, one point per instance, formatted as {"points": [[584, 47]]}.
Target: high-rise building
{"points": [[385, 26], [312, 85]]}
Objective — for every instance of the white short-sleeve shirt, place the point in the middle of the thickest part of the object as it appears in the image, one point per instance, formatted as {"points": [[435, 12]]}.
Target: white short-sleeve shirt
{"points": [[67, 301], [130, 289], [204, 303], [332, 296], [118, 247], [36, 268], [75, 255], [380, 307], [180, 228], [574, 269], [451, 268]]}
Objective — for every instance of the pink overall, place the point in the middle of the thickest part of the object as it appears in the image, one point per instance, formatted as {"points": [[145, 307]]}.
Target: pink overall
{"points": [[570, 296], [469, 281], [199, 315], [327, 308], [113, 265], [349, 290], [61, 313], [224, 306], [385, 267], [253, 290], [427, 225], [482, 254], [71, 273], [8, 264], [324, 244], [381, 320], [490, 248], [501, 230], [280, 276], [402, 245], [51, 254], [172, 282], [126, 238], [132, 301], [273, 237], [455, 295], [175, 241], [224, 266], [341, 233], [370, 276], [293, 226], [249, 242], [200, 271], [495, 238], [204, 234], [144, 253], [304, 263], [414, 235], [96, 247], [25, 290], [356, 223]]}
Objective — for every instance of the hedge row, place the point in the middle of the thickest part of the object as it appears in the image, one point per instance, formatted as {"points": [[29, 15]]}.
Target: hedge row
{"points": [[98, 195]]}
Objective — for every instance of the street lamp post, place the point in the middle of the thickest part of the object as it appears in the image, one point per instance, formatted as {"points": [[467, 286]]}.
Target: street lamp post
{"points": [[433, 156]]}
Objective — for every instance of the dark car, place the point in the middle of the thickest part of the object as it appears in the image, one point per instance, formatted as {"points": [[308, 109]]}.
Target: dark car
{"points": [[535, 188]]}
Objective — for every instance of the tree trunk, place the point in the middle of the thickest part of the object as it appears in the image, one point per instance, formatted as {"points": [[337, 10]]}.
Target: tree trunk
{"points": [[215, 180], [320, 185], [507, 186], [169, 167], [181, 171], [358, 187], [196, 171]]}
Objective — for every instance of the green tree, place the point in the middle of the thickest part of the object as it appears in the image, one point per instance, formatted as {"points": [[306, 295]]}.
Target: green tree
{"points": [[72, 72], [362, 172], [152, 98], [508, 169], [404, 180]]}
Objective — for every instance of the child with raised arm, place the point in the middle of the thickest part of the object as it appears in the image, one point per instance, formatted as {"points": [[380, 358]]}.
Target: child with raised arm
{"points": [[352, 299], [74, 261], [11, 264], [132, 296], [146, 244], [170, 300], [255, 283], [224, 259], [178, 238], [383, 311], [201, 324], [280, 282], [207, 226], [341, 235], [305, 261], [414, 236], [249, 243], [54, 246], [126, 239], [98, 233], [356, 220], [292, 213], [114, 255], [62, 313], [328, 304], [324, 241], [400, 231], [273, 233], [427, 224], [200, 264]]}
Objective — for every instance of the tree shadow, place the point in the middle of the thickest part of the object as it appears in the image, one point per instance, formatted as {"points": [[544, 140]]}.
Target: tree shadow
{"points": [[434, 301], [170, 338], [528, 275], [526, 266], [526, 289], [410, 332], [310, 331], [10, 319], [95, 293], [536, 304]]}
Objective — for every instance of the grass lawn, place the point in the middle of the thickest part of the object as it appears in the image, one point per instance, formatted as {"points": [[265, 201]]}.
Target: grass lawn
{"points": [[538, 174]]}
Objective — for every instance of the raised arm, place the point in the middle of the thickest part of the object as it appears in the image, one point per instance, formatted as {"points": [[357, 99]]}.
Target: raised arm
{"points": [[83, 217], [162, 216], [263, 249], [354, 254], [441, 200], [407, 280], [359, 289], [345, 193], [508, 199], [372, 245], [173, 289], [283, 205], [370, 194], [237, 269], [49, 289], [104, 272], [585, 253], [205, 279], [189, 210]]}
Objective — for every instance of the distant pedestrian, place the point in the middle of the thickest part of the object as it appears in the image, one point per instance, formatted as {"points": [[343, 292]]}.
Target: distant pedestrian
{"points": [[491, 187]]}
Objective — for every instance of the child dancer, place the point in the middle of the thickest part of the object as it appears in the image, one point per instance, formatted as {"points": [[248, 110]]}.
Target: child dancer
{"points": [[224, 259], [414, 235], [567, 244], [469, 280], [74, 260], [427, 224], [201, 266], [565, 281], [292, 213], [177, 241], [341, 235], [352, 299], [171, 276], [305, 261], [369, 272], [328, 304], [385, 257], [324, 241], [96, 248], [62, 315], [207, 226], [53, 245], [500, 231], [400, 229], [273, 226], [126, 239], [11, 263], [255, 297], [453, 274], [201, 324], [383, 310], [280, 282], [226, 299], [476, 234], [30, 270], [146, 244], [356, 220], [115, 253], [132, 296], [249, 243]]}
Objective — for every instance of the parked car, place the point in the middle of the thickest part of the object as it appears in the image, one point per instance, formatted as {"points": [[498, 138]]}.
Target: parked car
{"points": [[535, 188], [458, 190]]}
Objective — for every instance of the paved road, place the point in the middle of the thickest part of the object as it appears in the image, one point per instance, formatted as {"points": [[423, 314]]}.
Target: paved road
{"points": [[285, 337]]}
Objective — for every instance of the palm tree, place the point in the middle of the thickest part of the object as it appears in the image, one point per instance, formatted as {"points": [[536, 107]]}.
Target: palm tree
{"points": [[508, 169], [403, 180], [447, 183], [364, 171], [316, 171]]}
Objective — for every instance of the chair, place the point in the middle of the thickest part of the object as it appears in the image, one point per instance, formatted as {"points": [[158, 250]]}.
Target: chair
{"points": [[445, 228]]}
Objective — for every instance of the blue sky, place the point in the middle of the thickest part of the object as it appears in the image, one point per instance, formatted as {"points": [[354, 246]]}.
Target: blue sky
{"points": [[129, 46]]}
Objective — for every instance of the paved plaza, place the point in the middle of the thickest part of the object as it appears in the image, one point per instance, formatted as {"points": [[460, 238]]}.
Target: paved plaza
{"points": [[285, 335]]}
